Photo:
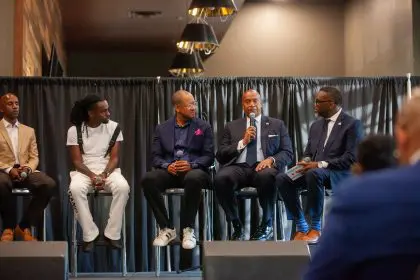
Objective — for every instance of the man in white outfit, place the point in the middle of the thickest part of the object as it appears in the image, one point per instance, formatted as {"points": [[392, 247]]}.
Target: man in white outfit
{"points": [[94, 143]]}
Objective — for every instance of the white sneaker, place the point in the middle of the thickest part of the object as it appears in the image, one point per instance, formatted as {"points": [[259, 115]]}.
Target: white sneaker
{"points": [[189, 241], [165, 236]]}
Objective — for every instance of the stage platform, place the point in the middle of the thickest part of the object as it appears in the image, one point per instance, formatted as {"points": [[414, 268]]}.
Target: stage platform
{"points": [[195, 275]]}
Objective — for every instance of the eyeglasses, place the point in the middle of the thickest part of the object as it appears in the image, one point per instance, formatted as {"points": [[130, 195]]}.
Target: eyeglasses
{"points": [[190, 106], [322, 101]]}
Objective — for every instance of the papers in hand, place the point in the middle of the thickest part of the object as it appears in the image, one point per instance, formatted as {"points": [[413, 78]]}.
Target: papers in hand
{"points": [[293, 172]]}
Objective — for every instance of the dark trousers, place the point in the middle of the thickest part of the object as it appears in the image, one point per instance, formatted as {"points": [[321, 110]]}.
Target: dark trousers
{"points": [[314, 181], [157, 181], [231, 178], [41, 187]]}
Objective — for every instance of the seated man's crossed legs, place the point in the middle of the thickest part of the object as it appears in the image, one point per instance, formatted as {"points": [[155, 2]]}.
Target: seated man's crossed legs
{"points": [[155, 183], [313, 181], [80, 186], [234, 177]]}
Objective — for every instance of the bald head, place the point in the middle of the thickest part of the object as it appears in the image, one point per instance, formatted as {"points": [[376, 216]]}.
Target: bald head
{"points": [[184, 104], [9, 106], [408, 128], [4, 98], [179, 95]]}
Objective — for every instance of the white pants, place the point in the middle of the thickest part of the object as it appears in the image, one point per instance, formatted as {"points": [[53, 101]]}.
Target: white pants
{"points": [[80, 185]]}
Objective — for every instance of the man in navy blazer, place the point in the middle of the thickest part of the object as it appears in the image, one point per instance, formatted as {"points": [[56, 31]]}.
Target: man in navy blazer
{"points": [[372, 230], [252, 155], [330, 152], [182, 152]]}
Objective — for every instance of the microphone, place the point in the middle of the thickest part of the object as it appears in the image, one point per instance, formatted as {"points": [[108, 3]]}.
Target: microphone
{"points": [[252, 120], [294, 173], [179, 154], [306, 159], [23, 175]]}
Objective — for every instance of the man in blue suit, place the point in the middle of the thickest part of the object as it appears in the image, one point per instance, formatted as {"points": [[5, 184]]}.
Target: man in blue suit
{"points": [[252, 155], [182, 152], [330, 152], [372, 230]]}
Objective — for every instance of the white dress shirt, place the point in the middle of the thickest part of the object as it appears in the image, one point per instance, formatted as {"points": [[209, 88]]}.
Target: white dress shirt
{"points": [[331, 123], [13, 131], [241, 146]]}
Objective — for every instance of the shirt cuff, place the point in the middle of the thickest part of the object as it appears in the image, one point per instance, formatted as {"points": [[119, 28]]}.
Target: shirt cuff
{"points": [[7, 170], [165, 165], [322, 164], [241, 145], [194, 165]]}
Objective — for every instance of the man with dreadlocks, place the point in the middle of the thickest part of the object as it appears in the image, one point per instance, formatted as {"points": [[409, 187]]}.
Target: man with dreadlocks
{"points": [[94, 143]]}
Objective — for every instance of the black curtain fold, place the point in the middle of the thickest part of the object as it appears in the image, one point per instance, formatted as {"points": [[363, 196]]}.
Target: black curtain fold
{"points": [[139, 104]]}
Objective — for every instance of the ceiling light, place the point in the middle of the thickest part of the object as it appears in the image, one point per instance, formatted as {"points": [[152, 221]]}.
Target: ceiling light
{"points": [[198, 36], [187, 64], [212, 8]]}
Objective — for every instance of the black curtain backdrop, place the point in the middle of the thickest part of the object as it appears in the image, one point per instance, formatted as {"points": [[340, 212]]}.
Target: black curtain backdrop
{"points": [[139, 104]]}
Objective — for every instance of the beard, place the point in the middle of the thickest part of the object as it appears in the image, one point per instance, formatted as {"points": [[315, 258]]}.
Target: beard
{"points": [[105, 121]]}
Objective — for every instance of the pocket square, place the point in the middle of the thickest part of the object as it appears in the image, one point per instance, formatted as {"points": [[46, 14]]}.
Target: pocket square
{"points": [[272, 135], [198, 132]]}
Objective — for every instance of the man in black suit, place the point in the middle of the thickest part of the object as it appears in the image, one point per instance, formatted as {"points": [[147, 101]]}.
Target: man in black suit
{"points": [[251, 156], [331, 151]]}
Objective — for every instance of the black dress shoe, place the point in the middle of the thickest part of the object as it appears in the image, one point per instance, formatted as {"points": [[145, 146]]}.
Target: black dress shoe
{"points": [[263, 233], [88, 246], [238, 234], [115, 244]]}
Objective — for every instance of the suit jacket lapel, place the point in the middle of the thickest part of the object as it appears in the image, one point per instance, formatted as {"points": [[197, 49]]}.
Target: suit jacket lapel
{"points": [[3, 131], [191, 130], [264, 134], [334, 132], [171, 131], [20, 140]]}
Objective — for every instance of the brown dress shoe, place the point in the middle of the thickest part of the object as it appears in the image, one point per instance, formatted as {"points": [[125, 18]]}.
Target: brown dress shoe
{"points": [[299, 235], [312, 236], [7, 235], [25, 234]]}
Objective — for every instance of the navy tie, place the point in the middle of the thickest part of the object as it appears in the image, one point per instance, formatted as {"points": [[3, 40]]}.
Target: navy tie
{"points": [[251, 151], [320, 149]]}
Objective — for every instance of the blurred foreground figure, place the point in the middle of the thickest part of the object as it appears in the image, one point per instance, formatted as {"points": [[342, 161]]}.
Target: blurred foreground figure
{"points": [[374, 153]]}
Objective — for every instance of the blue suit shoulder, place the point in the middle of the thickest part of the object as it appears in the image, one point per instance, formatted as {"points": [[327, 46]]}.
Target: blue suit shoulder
{"points": [[235, 122], [274, 120], [171, 121], [200, 122], [384, 183]]}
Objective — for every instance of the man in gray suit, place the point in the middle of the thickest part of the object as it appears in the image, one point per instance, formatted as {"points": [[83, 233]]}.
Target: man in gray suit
{"points": [[252, 151]]}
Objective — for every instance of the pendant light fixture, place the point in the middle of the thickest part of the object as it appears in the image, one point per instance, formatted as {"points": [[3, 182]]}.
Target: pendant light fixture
{"points": [[187, 64], [212, 8]]}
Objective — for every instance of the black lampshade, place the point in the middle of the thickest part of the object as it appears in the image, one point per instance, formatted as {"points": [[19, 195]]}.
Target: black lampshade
{"points": [[187, 64], [198, 37], [212, 8]]}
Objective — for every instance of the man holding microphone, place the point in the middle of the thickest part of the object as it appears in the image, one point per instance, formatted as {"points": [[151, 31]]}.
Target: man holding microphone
{"points": [[18, 163], [252, 151]]}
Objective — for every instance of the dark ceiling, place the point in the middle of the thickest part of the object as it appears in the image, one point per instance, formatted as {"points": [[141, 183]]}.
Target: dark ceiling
{"points": [[95, 25]]}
